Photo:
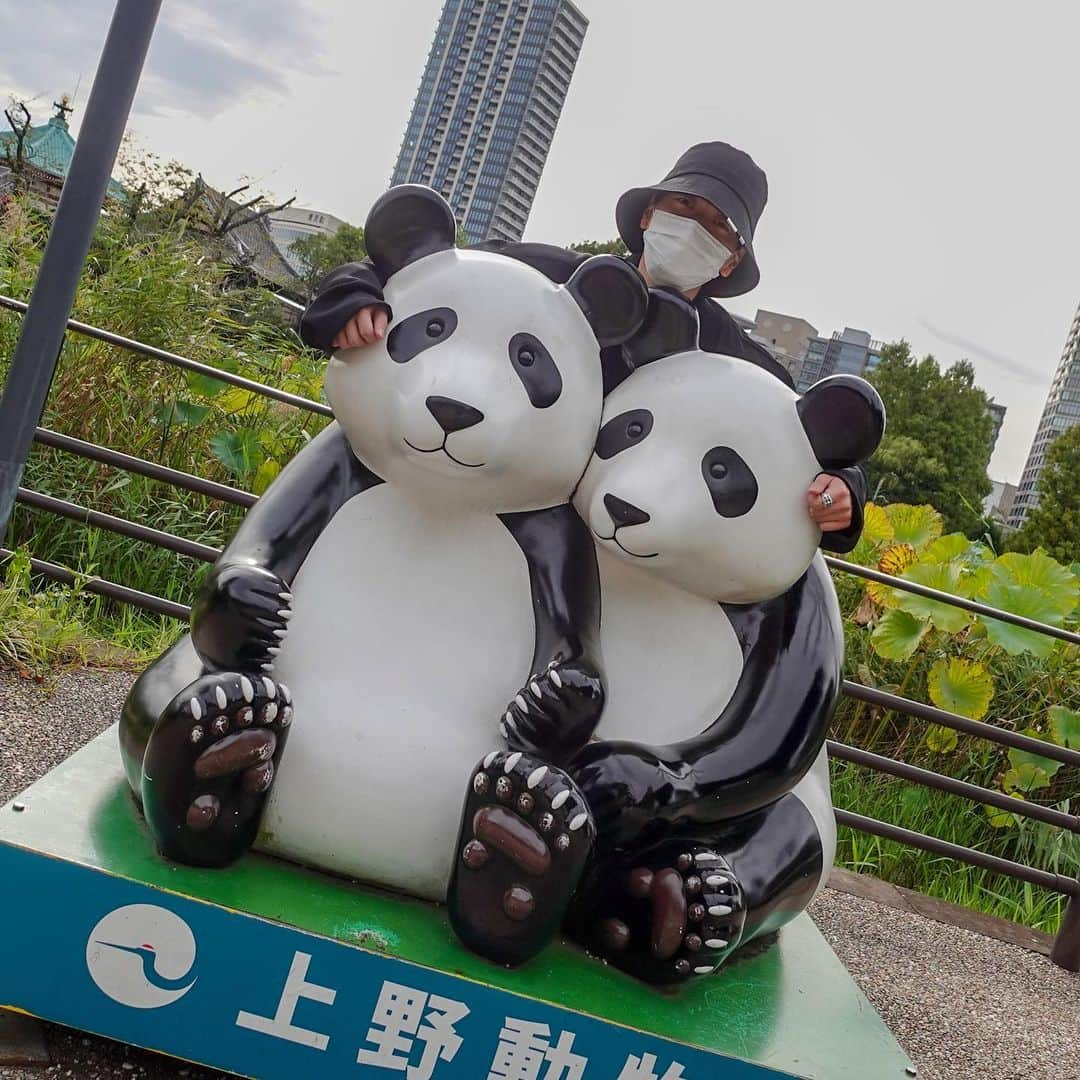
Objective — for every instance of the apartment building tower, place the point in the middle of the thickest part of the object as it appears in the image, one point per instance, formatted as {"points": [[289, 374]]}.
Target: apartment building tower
{"points": [[489, 101], [1062, 411]]}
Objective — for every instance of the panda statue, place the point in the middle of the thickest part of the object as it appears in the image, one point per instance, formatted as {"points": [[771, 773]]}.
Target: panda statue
{"points": [[399, 579], [707, 782]]}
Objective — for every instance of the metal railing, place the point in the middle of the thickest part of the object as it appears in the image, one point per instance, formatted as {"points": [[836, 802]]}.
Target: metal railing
{"points": [[1066, 950]]}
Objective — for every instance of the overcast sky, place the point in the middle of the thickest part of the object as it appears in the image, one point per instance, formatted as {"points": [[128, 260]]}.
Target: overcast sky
{"points": [[923, 161]]}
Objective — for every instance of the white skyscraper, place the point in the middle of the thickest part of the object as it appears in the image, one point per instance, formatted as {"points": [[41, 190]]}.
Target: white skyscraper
{"points": [[1062, 412]]}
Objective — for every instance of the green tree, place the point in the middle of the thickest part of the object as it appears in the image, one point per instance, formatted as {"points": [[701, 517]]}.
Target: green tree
{"points": [[937, 441], [1054, 525], [322, 253], [601, 247]]}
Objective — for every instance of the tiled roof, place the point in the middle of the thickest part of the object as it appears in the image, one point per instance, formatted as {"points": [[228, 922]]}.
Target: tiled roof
{"points": [[49, 147], [249, 243]]}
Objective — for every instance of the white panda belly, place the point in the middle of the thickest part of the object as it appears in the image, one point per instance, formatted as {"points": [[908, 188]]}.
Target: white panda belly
{"points": [[412, 629], [672, 659]]}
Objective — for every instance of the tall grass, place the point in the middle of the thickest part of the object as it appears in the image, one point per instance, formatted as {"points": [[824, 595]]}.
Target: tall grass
{"points": [[958, 821], [161, 287]]}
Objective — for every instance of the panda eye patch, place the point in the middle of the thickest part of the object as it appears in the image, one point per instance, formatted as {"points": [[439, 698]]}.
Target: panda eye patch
{"points": [[418, 332], [732, 486], [623, 431], [536, 369]]}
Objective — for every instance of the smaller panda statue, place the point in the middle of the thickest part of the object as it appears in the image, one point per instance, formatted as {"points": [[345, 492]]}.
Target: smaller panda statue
{"points": [[397, 582], [707, 781]]}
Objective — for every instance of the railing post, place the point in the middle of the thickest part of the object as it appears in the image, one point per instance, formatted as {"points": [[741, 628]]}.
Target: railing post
{"points": [[1066, 950], [37, 352]]}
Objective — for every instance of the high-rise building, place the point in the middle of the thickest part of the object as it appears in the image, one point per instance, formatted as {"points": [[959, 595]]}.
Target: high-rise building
{"points": [[490, 98], [848, 351], [1062, 412]]}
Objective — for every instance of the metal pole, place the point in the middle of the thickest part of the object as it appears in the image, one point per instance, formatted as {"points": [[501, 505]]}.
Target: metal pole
{"points": [[1066, 950], [37, 352]]}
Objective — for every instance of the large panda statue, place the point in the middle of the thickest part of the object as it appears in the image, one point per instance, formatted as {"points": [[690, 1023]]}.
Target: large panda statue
{"points": [[399, 580], [707, 782]]}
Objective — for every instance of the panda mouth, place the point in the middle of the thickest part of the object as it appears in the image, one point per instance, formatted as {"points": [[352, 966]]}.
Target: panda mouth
{"points": [[615, 536], [442, 450]]}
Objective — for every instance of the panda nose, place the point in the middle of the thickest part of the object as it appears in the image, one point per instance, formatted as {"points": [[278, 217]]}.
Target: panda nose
{"points": [[453, 415], [624, 513]]}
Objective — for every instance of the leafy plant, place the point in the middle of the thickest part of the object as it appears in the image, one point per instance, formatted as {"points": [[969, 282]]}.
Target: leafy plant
{"points": [[972, 665]]}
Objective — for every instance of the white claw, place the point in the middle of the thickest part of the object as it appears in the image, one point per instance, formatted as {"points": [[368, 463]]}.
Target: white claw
{"points": [[560, 798], [246, 688], [720, 909], [271, 713], [286, 693], [522, 704], [268, 667], [286, 596], [490, 758], [271, 689], [285, 614], [273, 650], [715, 881], [536, 776], [704, 857], [556, 678], [535, 690], [715, 943], [219, 696], [511, 761], [286, 716], [196, 708], [502, 730], [702, 970], [280, 633], [578, 821]]}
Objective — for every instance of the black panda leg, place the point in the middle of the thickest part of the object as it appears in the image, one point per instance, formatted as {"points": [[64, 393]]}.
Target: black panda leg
{"points": [[210, 762], [663, 913], [680, 907], [525, 837]]}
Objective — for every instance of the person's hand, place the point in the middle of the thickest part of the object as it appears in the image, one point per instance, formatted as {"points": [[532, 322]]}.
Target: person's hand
{"points": [[833, 513], [366, 327]]}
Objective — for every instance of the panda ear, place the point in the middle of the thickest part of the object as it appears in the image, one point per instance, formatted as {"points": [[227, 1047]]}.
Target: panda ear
{"points": [[406, 223], [612, 295], [671, 326], [844, 419]]}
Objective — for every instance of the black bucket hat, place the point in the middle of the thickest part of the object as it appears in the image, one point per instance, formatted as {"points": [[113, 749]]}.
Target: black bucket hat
{"points": [[731, 181]]}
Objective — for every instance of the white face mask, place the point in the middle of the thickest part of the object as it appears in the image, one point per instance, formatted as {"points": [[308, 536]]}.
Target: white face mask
{"points": [[681, 252]]}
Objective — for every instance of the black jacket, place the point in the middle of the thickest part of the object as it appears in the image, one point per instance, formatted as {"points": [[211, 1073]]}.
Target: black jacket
{"points": [[344, 291]]}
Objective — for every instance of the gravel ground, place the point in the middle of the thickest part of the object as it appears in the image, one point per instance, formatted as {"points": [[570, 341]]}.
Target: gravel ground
{"points": [[964, 1007]]}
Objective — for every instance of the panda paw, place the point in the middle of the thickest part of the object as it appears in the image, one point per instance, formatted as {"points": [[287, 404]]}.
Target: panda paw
{"points": [[210, 762], [556, 712], [241, 618], [670, 917], [526, 834]]}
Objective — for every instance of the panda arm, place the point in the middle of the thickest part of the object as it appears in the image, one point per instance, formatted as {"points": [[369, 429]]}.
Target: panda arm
{"points": [[239, 604], [764, 741], [565, 584]]}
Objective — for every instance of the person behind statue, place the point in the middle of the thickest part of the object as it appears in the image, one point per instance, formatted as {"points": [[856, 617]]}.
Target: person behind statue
{"points": [[692, 232]]}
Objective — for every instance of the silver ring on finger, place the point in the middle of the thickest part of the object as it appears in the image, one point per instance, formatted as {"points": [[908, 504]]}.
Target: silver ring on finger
{"points": [[826, 499]]}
